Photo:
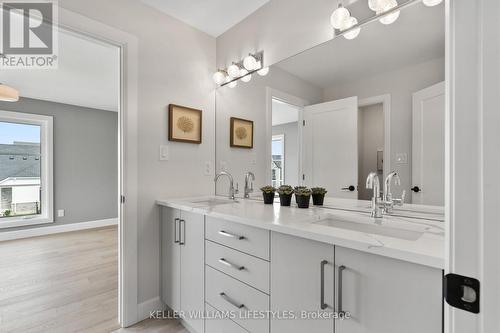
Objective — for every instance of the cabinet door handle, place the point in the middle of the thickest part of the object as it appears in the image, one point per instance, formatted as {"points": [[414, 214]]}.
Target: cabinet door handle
{"points": [[182, 232], [176, 233], [323, 305], [230, 264], [227, 234], [230, 301], [339, 299]]}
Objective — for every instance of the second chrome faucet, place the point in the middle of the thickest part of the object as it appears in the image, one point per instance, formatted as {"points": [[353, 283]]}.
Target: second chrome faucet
{"points": [[384, 204]]}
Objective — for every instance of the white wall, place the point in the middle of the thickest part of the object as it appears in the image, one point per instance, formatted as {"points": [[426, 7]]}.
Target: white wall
{"points": [[175, 66], [400, 84], [291, 133], [248, 101]]}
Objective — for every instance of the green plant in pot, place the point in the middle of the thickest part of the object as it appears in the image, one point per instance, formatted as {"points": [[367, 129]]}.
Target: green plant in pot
{"points": [[318, 194], [268, 194], [296, 188], [303, 196], [285, 192]]}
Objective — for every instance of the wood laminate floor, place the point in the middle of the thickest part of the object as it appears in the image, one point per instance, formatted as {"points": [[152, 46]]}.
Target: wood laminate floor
{"points": [[65, 283]]}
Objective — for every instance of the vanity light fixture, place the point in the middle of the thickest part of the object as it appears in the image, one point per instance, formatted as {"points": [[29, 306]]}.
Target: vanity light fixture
{"points": [[234, 71], [431, 3], [353, 33], [340, 17], [8, 94], [392, 16], [239, 71]]}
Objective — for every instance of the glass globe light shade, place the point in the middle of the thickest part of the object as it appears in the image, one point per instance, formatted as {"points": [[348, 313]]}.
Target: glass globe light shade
{"points": [[8, 94], [353, 33], [263, 71], [430, 3], [339, 17], [392, 17], [233, 84], [245, 76], [219, 77], [233, 71], [250, 63]]}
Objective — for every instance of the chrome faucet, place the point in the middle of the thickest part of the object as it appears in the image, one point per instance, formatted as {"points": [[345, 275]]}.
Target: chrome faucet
{"points": [[373, 183], [389, 202], [232, 190], [249, 190]]}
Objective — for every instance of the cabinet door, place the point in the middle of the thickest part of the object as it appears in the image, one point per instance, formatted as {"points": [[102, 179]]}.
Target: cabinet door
{"points": [[297, 265], [385, 295], [171, 258], [192, 240]]}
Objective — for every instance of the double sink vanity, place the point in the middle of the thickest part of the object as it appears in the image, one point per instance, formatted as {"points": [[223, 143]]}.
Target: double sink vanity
{"points": [[251, 267]]}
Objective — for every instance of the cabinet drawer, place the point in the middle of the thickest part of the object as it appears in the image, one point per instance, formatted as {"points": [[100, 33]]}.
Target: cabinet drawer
{"points": [[241, 266], [219, 324], [227, 294], [237, 236]]}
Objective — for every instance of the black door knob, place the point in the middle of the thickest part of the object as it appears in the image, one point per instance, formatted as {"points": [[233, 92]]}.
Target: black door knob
{"points": [[350, 188], [416, 189]]}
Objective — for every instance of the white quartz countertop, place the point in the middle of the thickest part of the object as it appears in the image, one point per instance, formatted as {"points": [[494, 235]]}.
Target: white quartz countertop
{"points": [[415, 240]]}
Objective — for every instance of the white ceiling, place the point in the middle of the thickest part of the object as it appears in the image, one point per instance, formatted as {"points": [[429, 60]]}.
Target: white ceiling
{"points": [[211, 16], [417, 36], [284, 113], [88, 75]]}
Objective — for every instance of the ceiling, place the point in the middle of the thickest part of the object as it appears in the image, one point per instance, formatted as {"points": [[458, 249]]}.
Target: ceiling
{"points": [[88, 75], [417, 36], [284, 113], [211, 16]]}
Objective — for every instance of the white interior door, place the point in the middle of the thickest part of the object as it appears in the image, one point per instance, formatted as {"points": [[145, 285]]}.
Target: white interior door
{"points": [[428, 146], [330, 147]]}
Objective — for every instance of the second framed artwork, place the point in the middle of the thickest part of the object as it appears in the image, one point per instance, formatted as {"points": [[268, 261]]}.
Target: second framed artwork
{"points": [[184, 124], [241, 133]]}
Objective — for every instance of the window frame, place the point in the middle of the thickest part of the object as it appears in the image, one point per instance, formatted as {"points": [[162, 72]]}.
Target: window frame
{"points": [[281, 137], [46, 124]]}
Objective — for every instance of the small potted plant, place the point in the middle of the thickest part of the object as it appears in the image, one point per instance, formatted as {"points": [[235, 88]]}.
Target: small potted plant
{"points": [[318, 194], [297, 188], [268, 194], [285, 192], [303, 196]]}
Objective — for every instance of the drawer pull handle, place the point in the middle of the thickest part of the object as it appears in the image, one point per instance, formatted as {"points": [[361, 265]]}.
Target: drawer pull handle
{"points": [[339, 301], [323, 305], [227, 234], [230, 264], [230, 301]]}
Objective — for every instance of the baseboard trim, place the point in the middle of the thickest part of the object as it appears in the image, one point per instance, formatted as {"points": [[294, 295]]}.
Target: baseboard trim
{"points": [[144, 309], [56, 229]]}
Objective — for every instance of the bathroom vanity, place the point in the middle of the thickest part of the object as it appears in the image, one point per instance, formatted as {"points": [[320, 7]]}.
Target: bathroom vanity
{"points": [[284, 270]]}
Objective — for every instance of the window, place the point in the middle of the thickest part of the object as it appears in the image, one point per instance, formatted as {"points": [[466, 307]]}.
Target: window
{"points": [[26, 189], [278, 160]]}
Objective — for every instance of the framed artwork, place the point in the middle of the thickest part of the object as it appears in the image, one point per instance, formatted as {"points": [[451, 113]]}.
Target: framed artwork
{"points": [[241, 133], [184, 124]]}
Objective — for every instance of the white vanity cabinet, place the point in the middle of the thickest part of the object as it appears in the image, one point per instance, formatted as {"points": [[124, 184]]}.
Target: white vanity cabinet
{"points": [[385, 295], [302, 273], [382, 295], [183, 262]]}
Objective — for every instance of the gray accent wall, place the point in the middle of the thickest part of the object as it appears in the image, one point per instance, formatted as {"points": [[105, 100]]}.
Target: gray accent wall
{"points": [[85, 160]]}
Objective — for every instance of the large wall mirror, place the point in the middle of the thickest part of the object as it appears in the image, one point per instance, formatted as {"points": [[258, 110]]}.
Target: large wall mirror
{"points": [[331, 115]]}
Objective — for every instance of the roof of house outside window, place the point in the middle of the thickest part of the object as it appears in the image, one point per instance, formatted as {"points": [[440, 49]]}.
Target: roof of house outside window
{"points": [[21, 159]]}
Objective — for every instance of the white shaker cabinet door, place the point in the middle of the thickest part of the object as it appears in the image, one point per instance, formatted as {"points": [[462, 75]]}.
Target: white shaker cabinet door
{"points": [[171, 258], [301, 280], [385, 295]]}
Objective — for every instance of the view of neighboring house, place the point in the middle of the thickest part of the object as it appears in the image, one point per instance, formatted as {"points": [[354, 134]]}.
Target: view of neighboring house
{"points": [[19, 178]]}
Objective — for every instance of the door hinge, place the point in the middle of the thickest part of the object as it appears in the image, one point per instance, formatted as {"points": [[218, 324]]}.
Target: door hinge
{"points": [[303, 177], [122, 199], [303, 123], [461, 292]]}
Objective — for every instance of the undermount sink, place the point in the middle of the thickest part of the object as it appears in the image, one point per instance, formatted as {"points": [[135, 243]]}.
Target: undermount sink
{"points": [[213, 201], [377, 228]]}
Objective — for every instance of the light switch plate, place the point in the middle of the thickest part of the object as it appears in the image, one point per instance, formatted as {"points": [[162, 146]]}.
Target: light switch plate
{"points": [[60, 213], [401, 158], [164, 153]]}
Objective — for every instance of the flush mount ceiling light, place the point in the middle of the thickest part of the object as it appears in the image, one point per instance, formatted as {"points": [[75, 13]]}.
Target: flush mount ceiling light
{"points": [[339, 17], [431, 3], [8, 94], [241, 71]]}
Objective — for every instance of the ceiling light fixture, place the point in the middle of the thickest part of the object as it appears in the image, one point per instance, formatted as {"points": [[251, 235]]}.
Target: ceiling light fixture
{"points": [[8, 94], [431, 3]]}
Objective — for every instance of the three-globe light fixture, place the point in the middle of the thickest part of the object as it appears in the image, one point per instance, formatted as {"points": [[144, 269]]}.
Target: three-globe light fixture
{"points": [[342, 20], [243, 70]]}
